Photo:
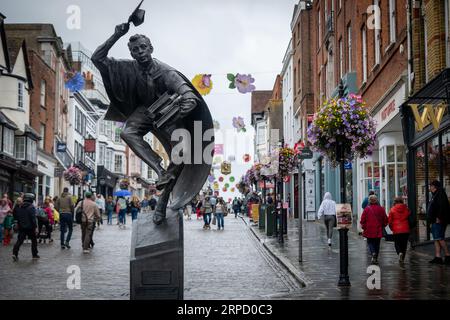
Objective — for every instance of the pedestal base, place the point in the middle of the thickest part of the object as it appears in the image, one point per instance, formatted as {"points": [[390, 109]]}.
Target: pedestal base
{"points": [[156, 262]]}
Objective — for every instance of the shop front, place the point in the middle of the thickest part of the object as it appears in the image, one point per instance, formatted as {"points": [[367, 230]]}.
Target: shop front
{"points": [[106, 181], [384, 172], [426, 130]]}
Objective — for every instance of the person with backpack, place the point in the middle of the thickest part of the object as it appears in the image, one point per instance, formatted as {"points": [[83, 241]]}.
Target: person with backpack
{"points": [[90, 215], [122, 206], [25, 215], [399, 224], [109, 206], [373, 221], [135, 207], [45, 219], [64, 205]]}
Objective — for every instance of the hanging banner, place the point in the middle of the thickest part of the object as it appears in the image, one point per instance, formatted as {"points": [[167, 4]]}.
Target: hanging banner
{"points": [[218, 149], [89, 145]]}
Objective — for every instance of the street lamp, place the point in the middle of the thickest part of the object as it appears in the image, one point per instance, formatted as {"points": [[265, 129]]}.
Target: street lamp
{"points": [[343, 232]]}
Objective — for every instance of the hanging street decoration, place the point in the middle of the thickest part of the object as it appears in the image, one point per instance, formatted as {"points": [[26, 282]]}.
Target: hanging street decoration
{"points": [[216, 125], [220, 179], [224, 189], [211, 178], [74, 81], [246, 157], [232, 189], [227, 185], [225, 168], [238, 124], [231, 158], [243, 82], [231, 179], [203, 83]]}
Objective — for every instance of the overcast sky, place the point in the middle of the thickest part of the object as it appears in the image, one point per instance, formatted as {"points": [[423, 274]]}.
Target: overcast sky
{"points": [[194, 36]]}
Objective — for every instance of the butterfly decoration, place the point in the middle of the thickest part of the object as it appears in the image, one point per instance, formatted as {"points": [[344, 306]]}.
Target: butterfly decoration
{"points": [[74, 81]]}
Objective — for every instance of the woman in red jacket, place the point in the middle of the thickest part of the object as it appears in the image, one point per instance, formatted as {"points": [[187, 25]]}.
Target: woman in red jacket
{"points": [[399, 224], [373, 220]]}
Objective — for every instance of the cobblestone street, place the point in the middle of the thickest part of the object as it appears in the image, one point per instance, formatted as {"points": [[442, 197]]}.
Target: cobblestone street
{"points": [[104, 272], [231, 264]]}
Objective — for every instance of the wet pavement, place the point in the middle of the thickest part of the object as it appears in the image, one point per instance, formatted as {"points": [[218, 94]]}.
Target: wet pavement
{"points": [[104, 273], [415, 279], [231, 264]]}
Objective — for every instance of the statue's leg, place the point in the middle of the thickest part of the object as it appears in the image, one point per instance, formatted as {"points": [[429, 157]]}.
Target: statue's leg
{"points": [[133, 132]]}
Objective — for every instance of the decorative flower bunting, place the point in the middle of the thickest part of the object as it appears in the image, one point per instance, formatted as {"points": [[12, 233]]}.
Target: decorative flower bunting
{"points": [[243, 82], [232, 189], [216, 124], [227, 185], [246, 157], [224, 189], [211, 178], [231, 179], [220, 179], [74, 81], [203, 83], [238, 123]]}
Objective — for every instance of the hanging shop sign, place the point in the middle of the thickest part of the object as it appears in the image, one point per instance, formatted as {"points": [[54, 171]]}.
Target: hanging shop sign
{"points": [[89, 145], [305, 153], [61, 147], [431, 114]]}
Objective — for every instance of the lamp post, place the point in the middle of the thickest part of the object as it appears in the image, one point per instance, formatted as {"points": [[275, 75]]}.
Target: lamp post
{"points": [[343, 232]]}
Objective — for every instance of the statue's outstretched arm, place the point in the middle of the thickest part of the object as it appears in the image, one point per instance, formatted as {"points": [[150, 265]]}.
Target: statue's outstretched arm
{"points": [[100, 56]]}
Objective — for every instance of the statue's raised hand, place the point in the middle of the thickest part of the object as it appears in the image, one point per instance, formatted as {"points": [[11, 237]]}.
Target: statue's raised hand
{"points": [[122, 29]]}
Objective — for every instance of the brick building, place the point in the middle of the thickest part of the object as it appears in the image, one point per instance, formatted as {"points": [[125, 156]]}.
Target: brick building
{"points": [[425, 115], [49, 101]]}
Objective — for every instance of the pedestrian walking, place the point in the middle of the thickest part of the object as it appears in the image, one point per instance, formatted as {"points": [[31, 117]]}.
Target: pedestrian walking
{"points": [[153, 202], [65, 207], [5, 208], [220, 212], [439, 216], [122, 206], [91, 214], [100, 202], [109, 206], [373, 220], [188, 211], [135, 207], [399, 224], [207, 210], [328, 210], [45, 220], [145, 203], [366, 199], [25, 215], [198, 208], [8, 224], [6, 197]]}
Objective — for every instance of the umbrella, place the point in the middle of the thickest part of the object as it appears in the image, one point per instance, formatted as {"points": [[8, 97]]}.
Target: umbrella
{"points": [[122, 193]]}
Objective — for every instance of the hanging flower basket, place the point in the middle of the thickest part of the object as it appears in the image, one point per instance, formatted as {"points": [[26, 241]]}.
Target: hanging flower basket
{"points": [[287, 162], [124, 184], [73, 176], [343, 124]]}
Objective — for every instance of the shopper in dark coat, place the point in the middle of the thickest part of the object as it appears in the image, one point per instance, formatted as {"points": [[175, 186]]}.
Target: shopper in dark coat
{"points": [[439, 217], [25, 216]]}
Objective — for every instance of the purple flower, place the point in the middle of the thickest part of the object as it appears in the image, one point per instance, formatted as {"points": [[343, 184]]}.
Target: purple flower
{"points": [[244, 83]]}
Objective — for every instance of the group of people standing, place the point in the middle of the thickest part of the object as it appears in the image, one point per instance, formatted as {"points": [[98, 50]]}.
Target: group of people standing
{"points": [[374, 219]]}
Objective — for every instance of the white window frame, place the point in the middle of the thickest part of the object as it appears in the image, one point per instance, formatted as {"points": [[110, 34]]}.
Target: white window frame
{"points": [[364, 53], [392, 21], [101, 154], [20, 89], [43, 92], [117, 138], [31, 150], [118, 163], [20, 147], [108, 159], [42, 141], [376, 36], [8, 146]]}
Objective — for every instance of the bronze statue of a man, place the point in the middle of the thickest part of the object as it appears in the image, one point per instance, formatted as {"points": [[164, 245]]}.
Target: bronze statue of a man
{"points": [[135, 85]]}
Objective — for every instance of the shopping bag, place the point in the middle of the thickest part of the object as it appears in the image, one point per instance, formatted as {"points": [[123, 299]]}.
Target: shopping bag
{"points": [[214, 221]]}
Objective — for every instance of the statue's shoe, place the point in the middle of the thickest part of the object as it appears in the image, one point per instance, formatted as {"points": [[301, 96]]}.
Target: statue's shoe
{"points": [[165, 179], [158, 218]]}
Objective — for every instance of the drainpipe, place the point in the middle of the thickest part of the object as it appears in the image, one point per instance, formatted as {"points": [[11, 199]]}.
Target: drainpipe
{"points": [[409, 44]]}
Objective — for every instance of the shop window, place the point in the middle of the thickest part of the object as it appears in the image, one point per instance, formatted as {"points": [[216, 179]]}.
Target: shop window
{"points": [[421, 193]]}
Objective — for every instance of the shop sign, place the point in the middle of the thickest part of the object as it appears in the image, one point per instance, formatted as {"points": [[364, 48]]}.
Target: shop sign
{"points": [[305, 153], [347, 165], [344, 215], [431, 114], [89, 145], [61, 147], [310, 196], [390, 109]]}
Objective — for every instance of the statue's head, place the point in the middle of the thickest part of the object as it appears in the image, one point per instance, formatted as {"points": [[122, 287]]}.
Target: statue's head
{"points": [[141, 48]]}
